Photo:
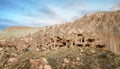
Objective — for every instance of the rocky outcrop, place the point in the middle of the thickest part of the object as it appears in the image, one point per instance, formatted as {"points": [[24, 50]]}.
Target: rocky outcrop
{"points": [[101, 29]]}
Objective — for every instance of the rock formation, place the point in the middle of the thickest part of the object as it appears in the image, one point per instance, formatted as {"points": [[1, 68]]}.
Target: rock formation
{"points": [[101, 29]]}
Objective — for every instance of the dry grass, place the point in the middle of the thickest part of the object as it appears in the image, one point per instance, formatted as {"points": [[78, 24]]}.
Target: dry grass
{"points": [[90, 58]]}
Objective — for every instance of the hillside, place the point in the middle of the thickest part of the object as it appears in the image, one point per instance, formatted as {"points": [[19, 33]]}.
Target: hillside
{"points": [[63, 58], [91, 42], [103, 27], [16, 32]]}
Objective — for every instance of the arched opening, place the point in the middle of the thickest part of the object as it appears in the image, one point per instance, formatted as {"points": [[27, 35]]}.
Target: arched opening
{"points": [[87, 45], [79, 34], [100, 46], [79, 45], [90, 40], [64, 43]]}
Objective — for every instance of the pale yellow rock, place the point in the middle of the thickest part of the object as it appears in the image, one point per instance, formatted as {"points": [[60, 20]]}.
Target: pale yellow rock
{"points": [[47, 67], [66, 60]]}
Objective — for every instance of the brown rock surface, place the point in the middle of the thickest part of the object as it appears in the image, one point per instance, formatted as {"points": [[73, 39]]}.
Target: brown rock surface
{"points": [[104, 27]]}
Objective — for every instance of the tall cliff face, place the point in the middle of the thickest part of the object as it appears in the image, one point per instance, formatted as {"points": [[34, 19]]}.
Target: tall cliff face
{"points": [[104, 27]]}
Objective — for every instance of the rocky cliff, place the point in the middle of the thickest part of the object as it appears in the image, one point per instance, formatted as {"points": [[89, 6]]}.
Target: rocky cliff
{"points": [[98, 29], [85, 43]]}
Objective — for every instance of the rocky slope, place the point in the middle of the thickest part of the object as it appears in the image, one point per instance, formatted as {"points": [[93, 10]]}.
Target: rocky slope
{"points": [[83, 44], [63, 58], [102, 27]]}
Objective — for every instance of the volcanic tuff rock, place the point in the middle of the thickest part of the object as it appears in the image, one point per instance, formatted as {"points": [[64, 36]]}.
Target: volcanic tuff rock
{"points": [[102, 27]]}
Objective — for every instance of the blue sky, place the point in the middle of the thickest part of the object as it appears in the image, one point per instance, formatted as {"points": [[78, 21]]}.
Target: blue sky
{"points": [[37, 13]]}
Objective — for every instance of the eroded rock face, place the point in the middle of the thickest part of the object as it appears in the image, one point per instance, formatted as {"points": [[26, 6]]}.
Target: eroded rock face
{"points": [[101, 28]]}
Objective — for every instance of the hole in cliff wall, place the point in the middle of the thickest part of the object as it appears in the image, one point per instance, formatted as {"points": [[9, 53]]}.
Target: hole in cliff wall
{"points": [[90, 40], [79, 34], [73, 43], [100, 46], [59, 38], [10, 46], [83, 40], [61, 45], [67, 40], [87, 45], [64, 43], [79, 45]]}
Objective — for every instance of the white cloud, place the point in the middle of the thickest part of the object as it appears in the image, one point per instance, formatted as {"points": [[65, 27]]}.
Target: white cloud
{"points": [[51, 15], [38, 21], [69, 11], [43, 21], [74, 6], [115, 7]]}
